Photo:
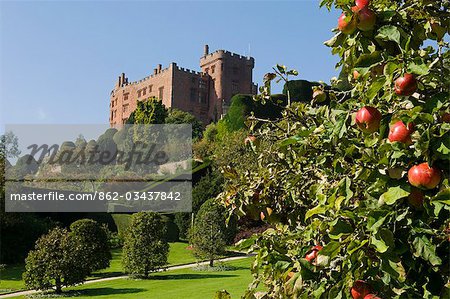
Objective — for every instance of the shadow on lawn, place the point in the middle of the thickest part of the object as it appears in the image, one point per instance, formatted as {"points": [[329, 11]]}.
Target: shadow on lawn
{"points": [[189, 276], [92, 292]]}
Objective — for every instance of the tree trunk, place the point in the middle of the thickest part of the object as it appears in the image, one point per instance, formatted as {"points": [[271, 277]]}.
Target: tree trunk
{"points": [[58, 289], [146, 272], [211, 262]]}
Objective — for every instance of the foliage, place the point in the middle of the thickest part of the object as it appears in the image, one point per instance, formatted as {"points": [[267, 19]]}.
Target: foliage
{"points": [[183, 222], [299, 90], [92, 240], [150, 111], [54, 262], [9, 147], [177, 116], [172, 231], [319, 180], [243, 106], [209, 186], [145, 249], [209, 233], [19, 232]]}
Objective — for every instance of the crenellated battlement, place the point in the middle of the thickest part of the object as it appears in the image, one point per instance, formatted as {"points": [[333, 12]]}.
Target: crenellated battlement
{"points": [[223, 53], [189, 71], [201, 92], [162, 71]]}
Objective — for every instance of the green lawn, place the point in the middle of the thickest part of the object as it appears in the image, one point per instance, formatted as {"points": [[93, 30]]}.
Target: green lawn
{"points": [[186, 283], [11, 277]]}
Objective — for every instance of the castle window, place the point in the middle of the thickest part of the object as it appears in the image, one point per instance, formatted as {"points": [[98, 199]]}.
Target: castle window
{"points": [[161, 93], [125, 108], [150, 87], [213, 68], [207, 70], [112, 115], [201, 84], [125, 97], [144, 91], [139, 93], [193, 94], [112, 103], [201, 97]]}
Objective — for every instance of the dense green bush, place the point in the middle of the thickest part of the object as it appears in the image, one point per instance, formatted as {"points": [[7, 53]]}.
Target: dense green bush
{"points": [[19, 232], [172, 230], [55, 262], [145, 249], [208, 234], [243, 106], [92, 240], [299, 90]]}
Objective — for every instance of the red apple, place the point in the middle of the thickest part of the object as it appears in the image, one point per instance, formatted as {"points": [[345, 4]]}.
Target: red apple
{"points": [[319, 96], [312, 254], [347, 26], [371, 296], [368, 119], [424, 176], [416, 198], [362, 3], [360, 289], [406, 85], [401, 133], [445, 117], [366, 19]]}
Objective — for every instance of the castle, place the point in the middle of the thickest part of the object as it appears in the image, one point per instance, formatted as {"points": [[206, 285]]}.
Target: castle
{"points": [[205, 94]]}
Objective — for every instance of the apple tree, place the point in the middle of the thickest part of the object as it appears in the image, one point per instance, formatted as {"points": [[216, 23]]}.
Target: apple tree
{"points": [[357, 189]]}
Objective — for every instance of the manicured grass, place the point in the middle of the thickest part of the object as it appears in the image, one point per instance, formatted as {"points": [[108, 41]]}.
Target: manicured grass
{"points": [[11, 277], [185, 283]]}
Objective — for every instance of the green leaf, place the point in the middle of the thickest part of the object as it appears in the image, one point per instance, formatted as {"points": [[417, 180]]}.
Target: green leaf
{"points": [[389, 33], [394, 267], [315, 211], [338, 228], [331, 249], [380, 246], [442, 196], [393, 194], [367, 60], [418, 69], [375, 88], [424, 249]]}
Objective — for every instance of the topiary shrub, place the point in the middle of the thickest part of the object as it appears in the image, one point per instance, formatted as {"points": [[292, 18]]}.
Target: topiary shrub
{"points": [[92, 240], [145, 249], [299, 90], [210, 232], [54, 263]]}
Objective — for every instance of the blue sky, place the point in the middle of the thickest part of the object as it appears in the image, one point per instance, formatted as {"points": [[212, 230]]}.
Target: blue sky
{"points": [[60, 60]]}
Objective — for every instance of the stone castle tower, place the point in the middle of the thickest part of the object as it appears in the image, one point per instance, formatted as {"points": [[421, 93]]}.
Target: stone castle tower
{"points": [[205, 94]]}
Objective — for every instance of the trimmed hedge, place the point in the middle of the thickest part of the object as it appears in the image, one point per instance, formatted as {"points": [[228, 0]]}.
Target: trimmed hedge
{"points": [[300, 90], [243, 105]]}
